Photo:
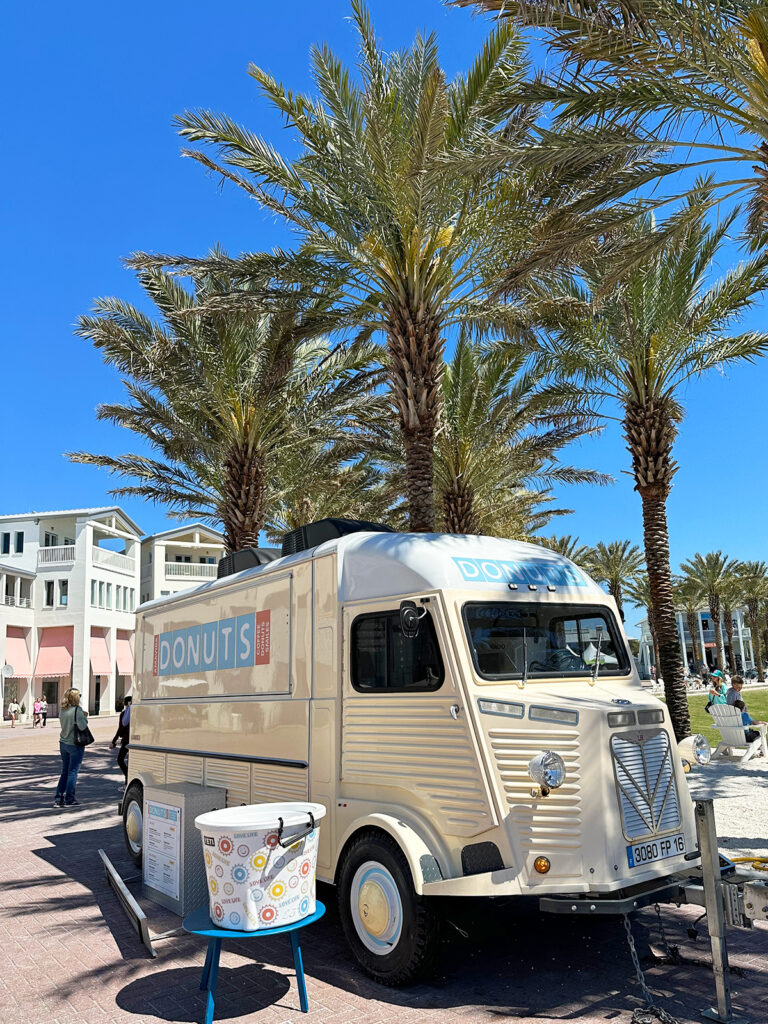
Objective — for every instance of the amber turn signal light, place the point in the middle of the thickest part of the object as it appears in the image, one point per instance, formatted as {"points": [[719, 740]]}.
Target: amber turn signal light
{"points": [[542, 865]]}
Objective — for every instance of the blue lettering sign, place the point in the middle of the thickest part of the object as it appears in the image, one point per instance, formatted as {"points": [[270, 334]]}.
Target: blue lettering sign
{"points": [[539, 571], [224, 643]]}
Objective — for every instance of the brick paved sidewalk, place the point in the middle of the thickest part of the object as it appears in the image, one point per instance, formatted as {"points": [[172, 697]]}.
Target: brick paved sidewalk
{"points": [[69, 954]]}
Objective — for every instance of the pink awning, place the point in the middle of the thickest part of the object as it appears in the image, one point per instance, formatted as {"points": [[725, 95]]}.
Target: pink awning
{"points": [[100, 664], [124, 656], [16, 653], [54, 656]]}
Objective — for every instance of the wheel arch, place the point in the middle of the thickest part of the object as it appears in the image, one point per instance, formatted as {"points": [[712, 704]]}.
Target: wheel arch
{"points": [[423, 862]]}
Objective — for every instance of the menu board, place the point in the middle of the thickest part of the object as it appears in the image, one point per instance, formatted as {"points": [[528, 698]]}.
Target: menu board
{"points": [[162, 846]]}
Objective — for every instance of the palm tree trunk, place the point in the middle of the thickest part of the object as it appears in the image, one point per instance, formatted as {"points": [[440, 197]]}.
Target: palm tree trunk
{"points": [[650, 433], [754, 632], [654, 641], [717, 625], [614, 589], [728, 619], [243, 512], [693, 628], [656, 536], [459, 510], [415, 366]]}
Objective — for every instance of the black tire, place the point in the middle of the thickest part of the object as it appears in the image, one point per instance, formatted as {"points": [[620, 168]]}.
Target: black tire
{"points": [[416, 941], [133, 800]]}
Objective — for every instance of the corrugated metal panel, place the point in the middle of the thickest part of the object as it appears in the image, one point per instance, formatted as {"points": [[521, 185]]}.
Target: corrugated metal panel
{"points": [[271, 782], [147, 763], [646, 781], [184, 768], [548, 826], [234, 776], [414, 744]]}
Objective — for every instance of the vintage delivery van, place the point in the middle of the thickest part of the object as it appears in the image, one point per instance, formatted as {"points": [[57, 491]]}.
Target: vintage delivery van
{"points": [[467, 709]]}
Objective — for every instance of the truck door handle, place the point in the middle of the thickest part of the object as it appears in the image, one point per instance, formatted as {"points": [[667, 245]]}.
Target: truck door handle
{"points": [[454, 710]]}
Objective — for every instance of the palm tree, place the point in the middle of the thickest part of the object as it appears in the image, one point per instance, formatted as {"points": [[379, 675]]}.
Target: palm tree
{"points": [[639, 346], [730, 599], [693, 75], [616, 564], [638, 591], [688, 598], [501, 427], [753, 579], [712, 572], [222, 400], [408, 193], [570, 547]]}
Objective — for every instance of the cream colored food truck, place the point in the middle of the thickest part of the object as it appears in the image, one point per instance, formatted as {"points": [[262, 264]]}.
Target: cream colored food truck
{"points": [[467, 709]]}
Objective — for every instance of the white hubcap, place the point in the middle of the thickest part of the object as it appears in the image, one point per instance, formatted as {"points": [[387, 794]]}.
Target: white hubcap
{"points": [[377, 910], [134, 826]]}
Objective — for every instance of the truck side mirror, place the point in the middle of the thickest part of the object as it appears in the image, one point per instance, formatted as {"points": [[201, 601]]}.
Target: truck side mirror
{"points": [[410, 617]]}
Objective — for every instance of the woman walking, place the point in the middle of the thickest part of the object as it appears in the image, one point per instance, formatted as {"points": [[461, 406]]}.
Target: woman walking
{"points": [[71, 753], [36, 713]]}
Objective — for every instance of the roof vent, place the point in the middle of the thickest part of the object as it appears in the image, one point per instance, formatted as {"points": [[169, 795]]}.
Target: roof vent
{"points": [[245, 559], [312, 534]]}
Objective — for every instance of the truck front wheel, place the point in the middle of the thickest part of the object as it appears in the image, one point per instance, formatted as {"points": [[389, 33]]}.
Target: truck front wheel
{"points": [[133, 821], [393, 932]]}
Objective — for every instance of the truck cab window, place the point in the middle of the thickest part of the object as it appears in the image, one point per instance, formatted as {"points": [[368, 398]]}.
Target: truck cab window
{"points": [[560, 640], [383, 660]]}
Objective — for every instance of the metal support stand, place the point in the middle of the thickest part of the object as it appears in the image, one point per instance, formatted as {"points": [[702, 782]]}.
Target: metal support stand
{"points": [[135, 914], [713, 903]]}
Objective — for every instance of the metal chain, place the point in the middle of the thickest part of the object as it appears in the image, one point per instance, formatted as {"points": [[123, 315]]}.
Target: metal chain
{"points": [[671, 952], [651, 1011]]}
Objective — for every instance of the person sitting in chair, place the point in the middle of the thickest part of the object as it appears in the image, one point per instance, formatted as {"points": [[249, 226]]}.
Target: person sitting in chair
{"points": [[733, 697]]}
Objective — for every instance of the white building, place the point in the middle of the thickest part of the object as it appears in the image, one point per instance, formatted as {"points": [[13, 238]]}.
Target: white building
{"points": [[69, 582], [705, 642], [179, 559]]}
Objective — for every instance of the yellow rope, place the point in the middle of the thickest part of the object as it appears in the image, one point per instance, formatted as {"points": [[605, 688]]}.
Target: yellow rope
{"points": [[758, 863]]}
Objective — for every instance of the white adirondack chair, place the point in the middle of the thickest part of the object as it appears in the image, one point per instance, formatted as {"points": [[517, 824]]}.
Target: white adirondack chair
{"points": [[727, 719]]}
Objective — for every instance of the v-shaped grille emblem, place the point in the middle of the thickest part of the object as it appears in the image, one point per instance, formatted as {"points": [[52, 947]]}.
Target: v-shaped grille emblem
{"points": [[646, 783]]}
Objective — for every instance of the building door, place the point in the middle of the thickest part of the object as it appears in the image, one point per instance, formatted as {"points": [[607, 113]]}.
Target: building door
{"points": [[50, 690]]}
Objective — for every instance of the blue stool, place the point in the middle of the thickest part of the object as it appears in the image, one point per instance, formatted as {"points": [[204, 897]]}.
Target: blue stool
{"points": [[199, 923]]}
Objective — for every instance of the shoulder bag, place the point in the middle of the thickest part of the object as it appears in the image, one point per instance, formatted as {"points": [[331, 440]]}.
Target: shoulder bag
{"points": [[82, 736]]}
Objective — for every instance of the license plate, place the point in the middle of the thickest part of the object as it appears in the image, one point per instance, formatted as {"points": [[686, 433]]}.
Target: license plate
{"points": [[655, 849]]}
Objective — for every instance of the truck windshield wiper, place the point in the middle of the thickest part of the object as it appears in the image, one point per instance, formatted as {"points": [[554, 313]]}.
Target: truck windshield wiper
{"points": [[596, 667], [524, 674]]}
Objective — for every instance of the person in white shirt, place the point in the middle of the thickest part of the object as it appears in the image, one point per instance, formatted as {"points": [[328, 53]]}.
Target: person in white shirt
{"points": [[14, 710]]}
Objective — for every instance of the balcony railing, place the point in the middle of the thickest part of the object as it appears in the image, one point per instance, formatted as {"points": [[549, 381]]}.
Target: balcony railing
{"points": [[113, 560], [17, 602], [196, 570], [55, 555]]}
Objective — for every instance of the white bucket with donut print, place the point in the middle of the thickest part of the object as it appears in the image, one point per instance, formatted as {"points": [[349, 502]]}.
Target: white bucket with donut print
{"points": [[260, 863]]}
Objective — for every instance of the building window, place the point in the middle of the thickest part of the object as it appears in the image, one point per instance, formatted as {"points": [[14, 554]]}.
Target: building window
{"points": [[19, 547], [150, 557], [49, 593], [70, 541], [109, 595], [63, 592], [101, 594], [165, 593], [385, 660], [207, 560], [51, 540], [133, 599], [93, 593], [118, 597], [5, 546]]}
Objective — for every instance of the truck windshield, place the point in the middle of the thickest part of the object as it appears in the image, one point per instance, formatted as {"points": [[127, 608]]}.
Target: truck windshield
{"points": [[561, 640]]}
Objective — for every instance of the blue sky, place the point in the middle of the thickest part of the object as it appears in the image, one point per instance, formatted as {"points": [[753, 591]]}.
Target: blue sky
{"points": [[93, 172]]}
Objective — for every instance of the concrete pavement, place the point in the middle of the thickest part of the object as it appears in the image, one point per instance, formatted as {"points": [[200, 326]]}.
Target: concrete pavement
{"points": [[70, 955]]}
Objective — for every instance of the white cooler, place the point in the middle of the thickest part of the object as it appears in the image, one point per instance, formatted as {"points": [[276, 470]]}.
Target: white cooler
{"points": [[260, 863]]}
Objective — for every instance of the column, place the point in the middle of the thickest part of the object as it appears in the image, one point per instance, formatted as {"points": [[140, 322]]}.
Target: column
{"points": [[681, 634], [701, 638], [740, 628]]}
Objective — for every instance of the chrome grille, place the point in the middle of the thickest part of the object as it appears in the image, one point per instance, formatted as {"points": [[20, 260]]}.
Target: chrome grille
{"points": [[645, 777]]}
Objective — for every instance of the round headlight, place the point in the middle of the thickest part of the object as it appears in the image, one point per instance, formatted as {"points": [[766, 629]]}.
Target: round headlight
{"points": [[547, 770], [695, 749]]}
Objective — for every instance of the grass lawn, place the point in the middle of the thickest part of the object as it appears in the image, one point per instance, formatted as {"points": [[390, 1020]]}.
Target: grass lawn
{"points": [[756, 701]]}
